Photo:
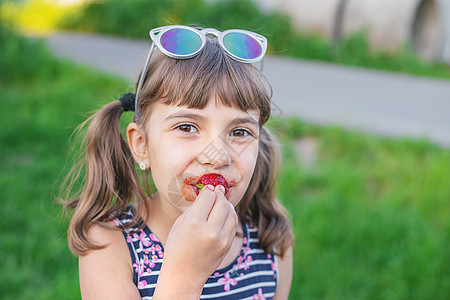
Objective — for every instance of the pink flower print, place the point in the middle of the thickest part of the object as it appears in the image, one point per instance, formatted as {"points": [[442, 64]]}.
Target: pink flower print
{"points": [[259, 296], [153, 237], [240, 260], [154, 258], [216, 274], [143, 239], [146, 260], [227, 281], [142, 284], [161, 254], [139, 268], [129, 238], [152, 249], [158, 248], [151, 264], [245, 264], [274, 269]]}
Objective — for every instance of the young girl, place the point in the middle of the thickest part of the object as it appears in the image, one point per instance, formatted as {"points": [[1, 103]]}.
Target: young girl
{"points": [[211, 227]]}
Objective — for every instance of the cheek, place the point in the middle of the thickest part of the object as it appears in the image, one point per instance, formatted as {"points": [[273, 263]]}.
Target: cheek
{"points": [[168, 166], [247, 162], [248, 158], [168, 162]]}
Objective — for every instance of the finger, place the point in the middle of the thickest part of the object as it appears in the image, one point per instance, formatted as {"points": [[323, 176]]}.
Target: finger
{"points": [[219, 211], [231, 225], [203, 204]]}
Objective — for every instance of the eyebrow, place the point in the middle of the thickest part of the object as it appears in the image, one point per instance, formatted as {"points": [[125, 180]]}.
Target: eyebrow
{"points": [[184, 115], [200, 118], [245, 120]]}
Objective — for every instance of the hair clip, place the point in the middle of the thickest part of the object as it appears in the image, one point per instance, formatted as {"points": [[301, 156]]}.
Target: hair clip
{"points": [[127, 101]]}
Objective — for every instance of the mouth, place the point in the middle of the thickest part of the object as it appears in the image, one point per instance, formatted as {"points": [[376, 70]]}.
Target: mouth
{"points": [[193, 184]]}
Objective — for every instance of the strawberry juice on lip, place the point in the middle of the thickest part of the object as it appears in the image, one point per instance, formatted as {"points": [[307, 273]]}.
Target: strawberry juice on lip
{"points": [[192, 186]]}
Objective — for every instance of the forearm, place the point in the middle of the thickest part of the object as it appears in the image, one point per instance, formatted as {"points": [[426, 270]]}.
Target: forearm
{"points": [[173, 285]]}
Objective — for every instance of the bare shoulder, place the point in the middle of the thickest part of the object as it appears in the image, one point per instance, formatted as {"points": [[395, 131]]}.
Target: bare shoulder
{"points": [[107, 273], [285, 266]]}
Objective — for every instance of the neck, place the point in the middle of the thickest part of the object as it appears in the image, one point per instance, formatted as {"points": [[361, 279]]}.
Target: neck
{"points": [[162, 216]]}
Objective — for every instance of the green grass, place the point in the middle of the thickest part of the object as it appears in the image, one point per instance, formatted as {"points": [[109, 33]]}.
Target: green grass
{"points": [[370, 215], [39, 111]]}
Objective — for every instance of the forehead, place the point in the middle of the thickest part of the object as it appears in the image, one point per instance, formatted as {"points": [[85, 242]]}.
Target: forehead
{"points": [[214, 111]]}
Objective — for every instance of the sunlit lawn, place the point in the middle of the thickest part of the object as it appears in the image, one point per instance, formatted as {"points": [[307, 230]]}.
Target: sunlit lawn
{"points": [[370, 215]]}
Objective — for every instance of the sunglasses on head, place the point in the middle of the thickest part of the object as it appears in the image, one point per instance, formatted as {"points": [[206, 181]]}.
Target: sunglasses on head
{"points": [[183, 42]]}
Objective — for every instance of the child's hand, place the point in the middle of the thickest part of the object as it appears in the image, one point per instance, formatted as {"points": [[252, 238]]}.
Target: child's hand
{"points": [[197, 243]]}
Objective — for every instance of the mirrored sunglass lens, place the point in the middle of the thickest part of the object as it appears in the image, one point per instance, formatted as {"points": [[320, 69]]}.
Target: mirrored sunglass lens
{"points": [[242, 45], [181, 41]]}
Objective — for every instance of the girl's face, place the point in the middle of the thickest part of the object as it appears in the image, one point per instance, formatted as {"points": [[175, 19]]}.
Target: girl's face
{"points": [[184, 143]]}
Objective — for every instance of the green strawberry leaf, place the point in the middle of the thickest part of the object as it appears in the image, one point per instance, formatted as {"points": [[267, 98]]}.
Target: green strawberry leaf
{"points": [[200, 186]]}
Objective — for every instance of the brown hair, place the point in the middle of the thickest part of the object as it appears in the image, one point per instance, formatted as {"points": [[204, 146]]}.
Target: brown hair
{"points": [[112, 182]]}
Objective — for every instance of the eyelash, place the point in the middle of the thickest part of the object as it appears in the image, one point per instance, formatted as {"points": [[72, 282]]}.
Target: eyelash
{"points": [[245, 131], [186, 125]]}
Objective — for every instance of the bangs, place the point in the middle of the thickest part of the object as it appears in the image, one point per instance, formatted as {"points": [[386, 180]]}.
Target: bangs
{"points": [[209, 75]]}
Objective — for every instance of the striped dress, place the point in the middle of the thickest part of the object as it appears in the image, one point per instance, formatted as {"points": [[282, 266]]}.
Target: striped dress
{"points": [[252, 275]]}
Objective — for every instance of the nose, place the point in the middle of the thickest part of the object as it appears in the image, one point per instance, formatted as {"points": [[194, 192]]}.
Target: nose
{"points": [[215, 154]]}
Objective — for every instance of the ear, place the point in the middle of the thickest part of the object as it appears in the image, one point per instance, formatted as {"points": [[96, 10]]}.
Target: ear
{"points": [[137, 143]]}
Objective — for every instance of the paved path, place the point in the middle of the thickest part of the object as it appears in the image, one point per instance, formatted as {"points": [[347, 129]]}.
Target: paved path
{"points": [[370, 101]]}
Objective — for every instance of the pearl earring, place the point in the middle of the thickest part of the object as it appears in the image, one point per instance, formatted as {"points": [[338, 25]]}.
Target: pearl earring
{"points": [[143, 166]]}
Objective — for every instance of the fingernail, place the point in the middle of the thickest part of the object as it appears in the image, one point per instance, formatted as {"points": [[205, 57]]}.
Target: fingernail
{"points": [[222, 189], [209, 187]]}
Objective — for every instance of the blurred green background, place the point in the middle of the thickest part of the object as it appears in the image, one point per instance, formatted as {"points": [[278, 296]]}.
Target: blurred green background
{"points": [[370, 214]]}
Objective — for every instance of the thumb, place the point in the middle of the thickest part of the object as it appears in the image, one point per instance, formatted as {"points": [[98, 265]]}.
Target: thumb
{"points": [[204, 202]]}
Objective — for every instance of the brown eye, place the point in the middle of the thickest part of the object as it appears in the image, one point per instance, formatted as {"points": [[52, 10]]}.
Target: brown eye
{"points": [[187, 128], [240, 133]]}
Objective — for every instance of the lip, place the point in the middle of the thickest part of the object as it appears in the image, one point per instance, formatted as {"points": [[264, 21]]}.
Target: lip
{"points": [[190, 186], [193, 180]]}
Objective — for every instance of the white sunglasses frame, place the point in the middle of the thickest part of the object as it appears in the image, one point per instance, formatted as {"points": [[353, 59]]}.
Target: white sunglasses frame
{"points": [[157, 33]]}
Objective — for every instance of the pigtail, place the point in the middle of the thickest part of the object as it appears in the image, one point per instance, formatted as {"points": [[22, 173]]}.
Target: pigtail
{"points": [[110, 181], [260, 202]]}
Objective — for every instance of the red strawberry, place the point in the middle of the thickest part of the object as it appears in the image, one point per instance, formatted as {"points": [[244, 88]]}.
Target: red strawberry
{"points": [[213, 179]]}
